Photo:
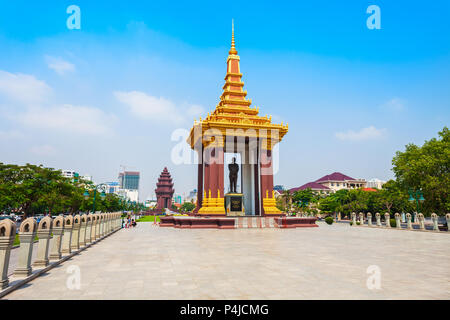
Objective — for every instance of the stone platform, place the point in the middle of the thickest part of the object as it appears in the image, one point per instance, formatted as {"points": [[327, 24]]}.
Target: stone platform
{"points": [[227, 222]]}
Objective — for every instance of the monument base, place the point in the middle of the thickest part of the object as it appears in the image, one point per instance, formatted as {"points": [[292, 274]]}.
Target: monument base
{"points": [[234, 204], [223, 222]]}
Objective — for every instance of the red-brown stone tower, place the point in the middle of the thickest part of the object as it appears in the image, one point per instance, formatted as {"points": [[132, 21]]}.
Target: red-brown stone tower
{"points": [[164, 190]]}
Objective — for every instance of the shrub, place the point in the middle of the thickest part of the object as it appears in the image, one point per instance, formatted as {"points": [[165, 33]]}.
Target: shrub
{"points": [[351, 223], [329, 220], [393, 223], [358, 223]]}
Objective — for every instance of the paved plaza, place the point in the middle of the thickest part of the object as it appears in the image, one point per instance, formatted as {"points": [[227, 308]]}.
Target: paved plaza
{"points": [[329, 262]]}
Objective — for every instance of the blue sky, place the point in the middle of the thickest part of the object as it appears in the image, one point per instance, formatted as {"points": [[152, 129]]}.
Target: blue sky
{"points": [[114, 91]]}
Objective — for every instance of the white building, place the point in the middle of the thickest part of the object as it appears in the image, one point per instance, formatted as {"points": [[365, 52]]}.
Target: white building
{"points": [[375, 183], [332, 183], [72, 173], [132, 195]]}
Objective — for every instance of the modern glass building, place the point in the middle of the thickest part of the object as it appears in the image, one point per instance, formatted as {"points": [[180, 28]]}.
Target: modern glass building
{"points": [[129, 180]]}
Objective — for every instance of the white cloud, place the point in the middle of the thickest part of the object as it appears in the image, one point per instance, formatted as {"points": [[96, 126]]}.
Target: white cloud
{"points": [[369, 133], [23, 87], [395, 104], [59, 65], [43, 150], [149, 107], [11, 135], [69, 118], [195, 110]]}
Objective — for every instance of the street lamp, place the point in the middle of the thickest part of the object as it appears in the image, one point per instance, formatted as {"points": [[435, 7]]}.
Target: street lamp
{"points": [[101, 188], [416, 196]]}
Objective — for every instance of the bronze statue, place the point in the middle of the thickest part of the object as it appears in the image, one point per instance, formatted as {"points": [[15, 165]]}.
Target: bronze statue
{"points": [[234, 169]]}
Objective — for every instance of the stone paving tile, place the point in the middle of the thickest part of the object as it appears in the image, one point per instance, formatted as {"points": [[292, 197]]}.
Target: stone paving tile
{"points": [[328, 262]]}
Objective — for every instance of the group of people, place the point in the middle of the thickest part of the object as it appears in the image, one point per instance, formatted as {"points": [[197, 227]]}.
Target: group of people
{"points": [[129, 223]]}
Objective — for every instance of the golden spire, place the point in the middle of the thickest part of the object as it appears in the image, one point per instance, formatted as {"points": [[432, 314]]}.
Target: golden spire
{"points": [[233, 49]]}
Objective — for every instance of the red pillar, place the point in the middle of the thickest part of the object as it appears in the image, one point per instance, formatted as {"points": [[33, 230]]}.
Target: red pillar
{"points": [[199, 181], [266, 177], [220, 169]]}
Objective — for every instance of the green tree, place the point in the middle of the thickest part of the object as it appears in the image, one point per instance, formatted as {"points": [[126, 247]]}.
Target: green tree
{"points": [[187, 207], [426, 168]]}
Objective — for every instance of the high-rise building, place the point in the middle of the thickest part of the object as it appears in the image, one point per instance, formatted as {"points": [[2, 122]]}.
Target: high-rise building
{"points": [[129, 180]]}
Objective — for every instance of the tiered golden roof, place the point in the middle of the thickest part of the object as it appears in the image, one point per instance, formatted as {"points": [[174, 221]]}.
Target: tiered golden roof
{"points": [[234, 111]]}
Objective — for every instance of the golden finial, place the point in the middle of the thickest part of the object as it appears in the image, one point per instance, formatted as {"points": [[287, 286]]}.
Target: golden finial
{"points": [[233, 49]]}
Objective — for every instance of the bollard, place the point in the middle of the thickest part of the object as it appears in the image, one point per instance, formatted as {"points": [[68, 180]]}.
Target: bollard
{"points": [[387, 220], [105, 228], [107, 224], [75, 243], [421, 219], [88, 228], [83, 225], [434, 218], [27, 233], [369, 219], [67, 238], [44, 234], [93, 227], [378, 217], [398, 220], [361, 218], [97, 226], [111, 216], [354, 218], [102, 225], [447, 217], [408, 221], [58, 231], [7, 235]]}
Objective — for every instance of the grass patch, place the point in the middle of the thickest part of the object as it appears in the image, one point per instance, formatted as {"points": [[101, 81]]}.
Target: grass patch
{"points": [[148, 219]]}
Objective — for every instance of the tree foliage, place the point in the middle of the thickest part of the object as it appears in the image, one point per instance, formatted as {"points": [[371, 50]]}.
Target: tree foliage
{"points": [[32, 189], [187, 206], [426, 168]]}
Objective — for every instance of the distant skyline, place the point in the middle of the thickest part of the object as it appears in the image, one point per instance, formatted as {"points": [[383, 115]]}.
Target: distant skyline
{"points": [[113, 92]]}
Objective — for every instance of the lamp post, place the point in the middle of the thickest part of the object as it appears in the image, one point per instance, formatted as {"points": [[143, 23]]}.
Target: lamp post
{"points": [[417, 196], [101, 188]]}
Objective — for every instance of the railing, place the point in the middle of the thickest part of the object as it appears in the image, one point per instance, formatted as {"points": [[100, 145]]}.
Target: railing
{"points": [[70, 234], [360, 220]]}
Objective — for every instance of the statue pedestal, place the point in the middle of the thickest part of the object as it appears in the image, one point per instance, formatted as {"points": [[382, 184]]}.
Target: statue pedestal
{"points": [[234, 204]]}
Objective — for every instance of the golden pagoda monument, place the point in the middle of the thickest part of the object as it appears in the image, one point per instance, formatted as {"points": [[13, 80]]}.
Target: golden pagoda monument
{"points": [[235, 127]]}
